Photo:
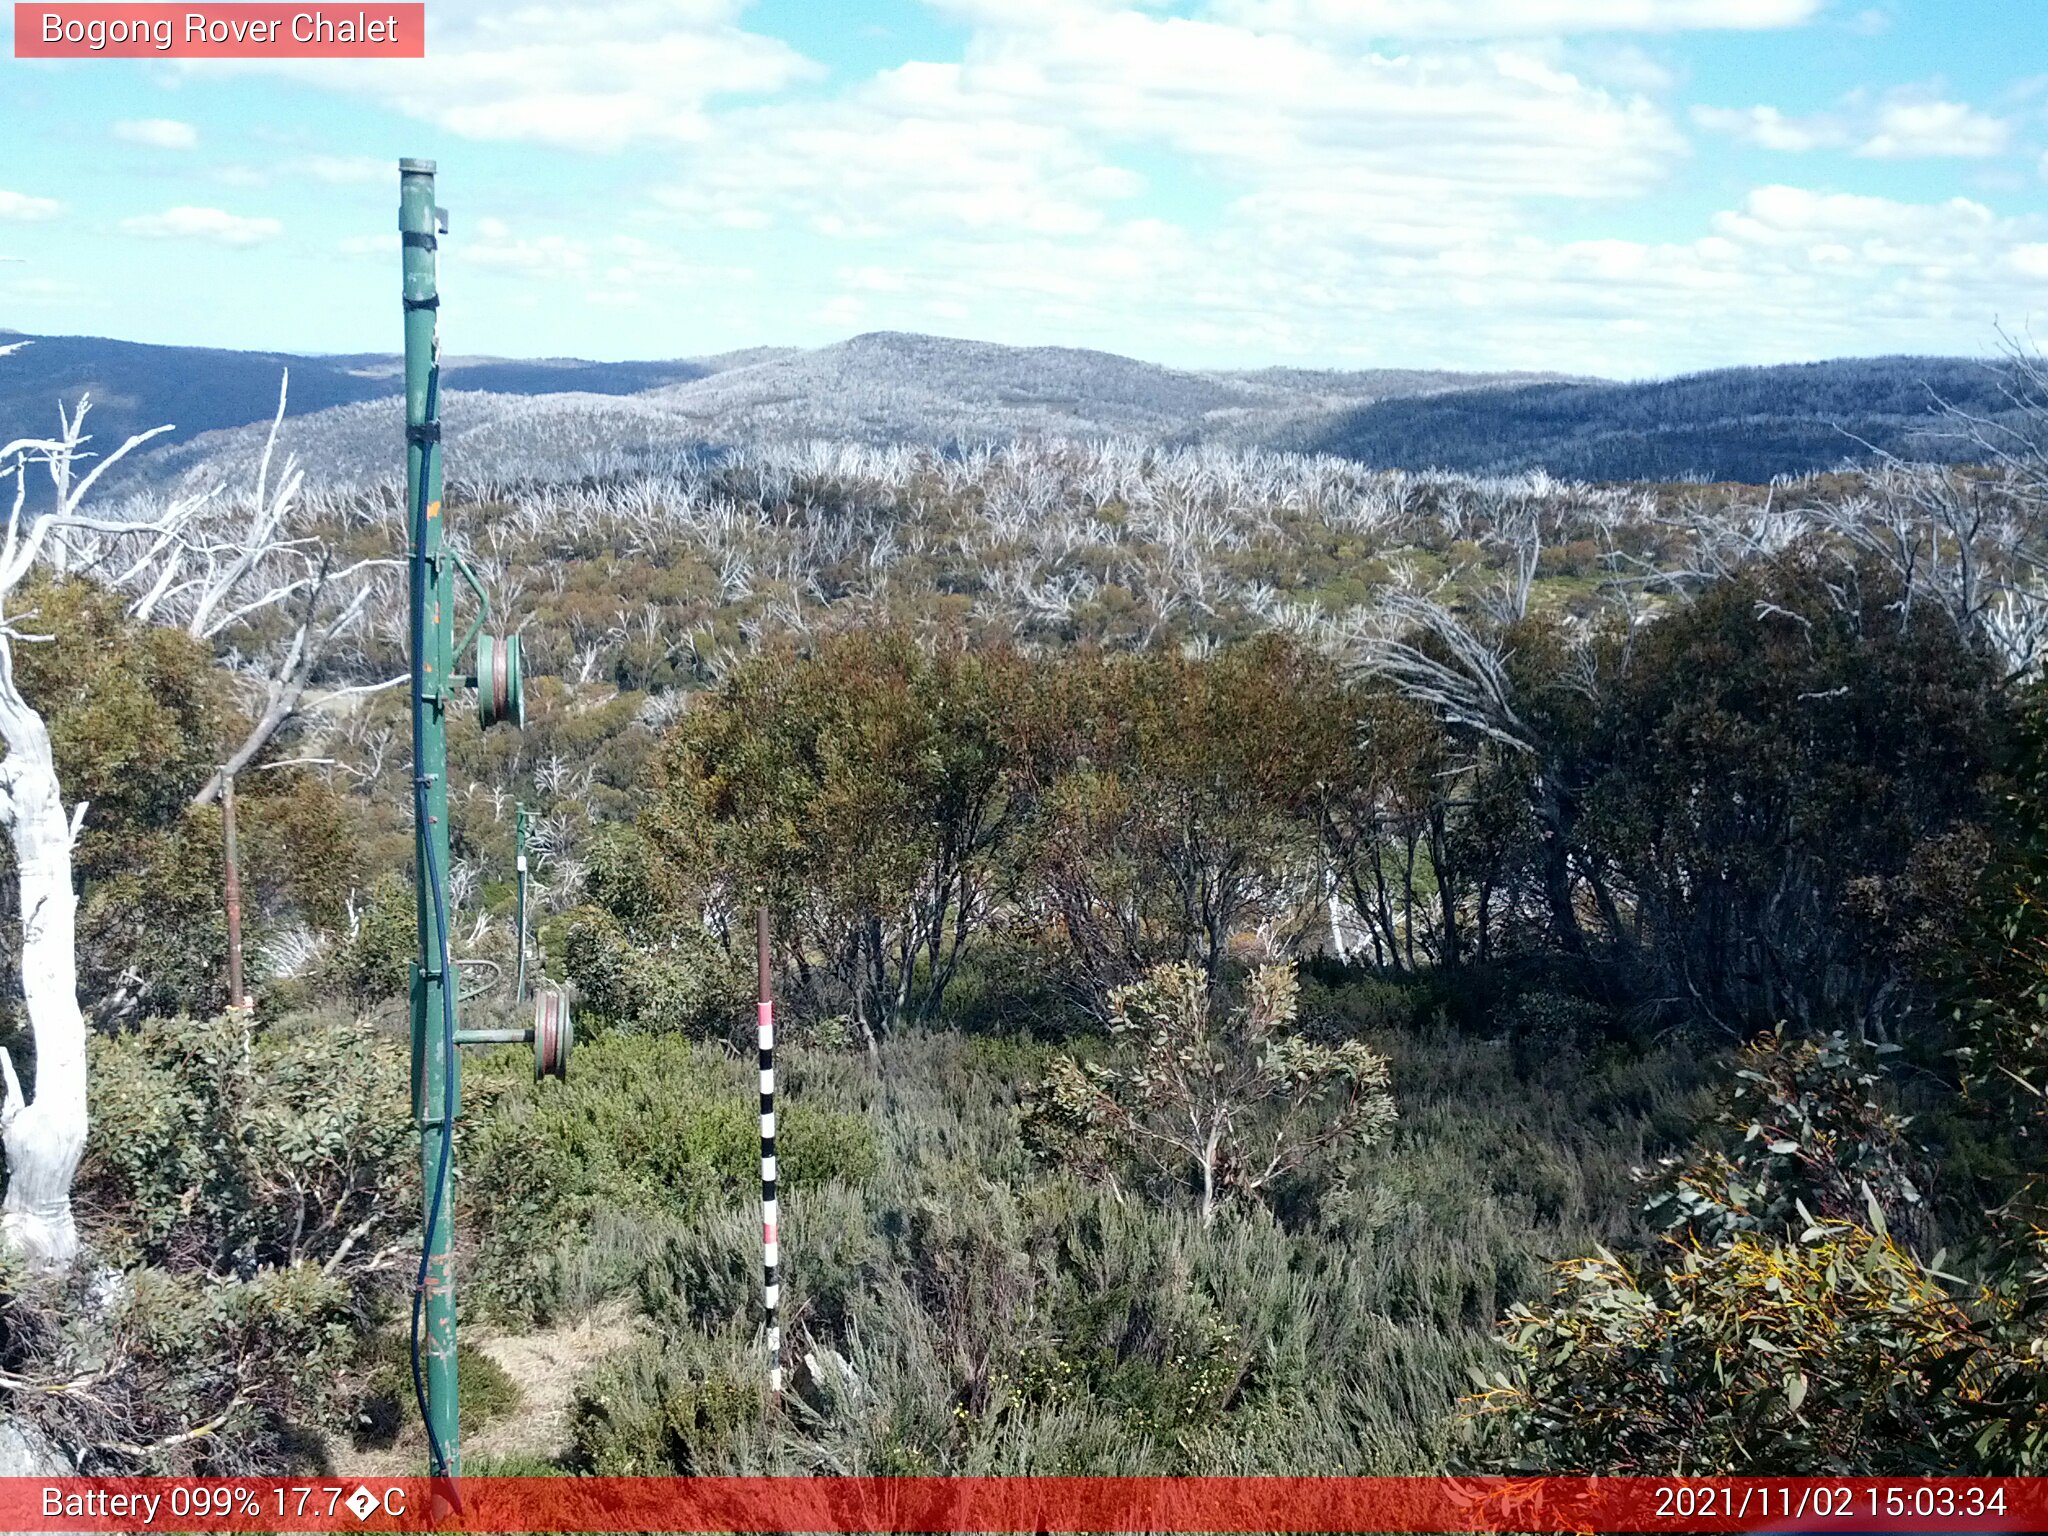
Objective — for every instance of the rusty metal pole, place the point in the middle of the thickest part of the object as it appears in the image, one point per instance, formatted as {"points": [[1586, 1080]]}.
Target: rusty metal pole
{"points": [[237, 998]]}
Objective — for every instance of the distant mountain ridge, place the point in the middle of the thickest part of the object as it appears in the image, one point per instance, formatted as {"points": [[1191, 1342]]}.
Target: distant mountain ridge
{"points": [[883, 387], [509, 419], [894, 386], [1746, 424], [138, 385]]}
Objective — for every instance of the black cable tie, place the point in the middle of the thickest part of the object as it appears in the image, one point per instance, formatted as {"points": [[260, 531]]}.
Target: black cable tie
{"points": [[433, 303], [418, 239], [426, 432]]}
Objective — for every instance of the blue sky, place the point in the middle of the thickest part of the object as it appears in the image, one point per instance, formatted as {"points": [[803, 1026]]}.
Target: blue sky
{"points": [[1623, 187]]}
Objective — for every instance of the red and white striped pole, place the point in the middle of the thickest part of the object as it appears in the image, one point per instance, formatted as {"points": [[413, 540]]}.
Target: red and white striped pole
{"points": [[771, 1248]]}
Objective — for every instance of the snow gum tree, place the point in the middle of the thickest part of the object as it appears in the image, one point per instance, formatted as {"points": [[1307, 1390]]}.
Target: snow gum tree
{"points": [[44, 1136], [1226, 1099]]}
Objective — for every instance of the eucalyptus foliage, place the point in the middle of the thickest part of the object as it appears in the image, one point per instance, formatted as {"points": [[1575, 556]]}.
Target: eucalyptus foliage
{"points": [[1228, 1099]]}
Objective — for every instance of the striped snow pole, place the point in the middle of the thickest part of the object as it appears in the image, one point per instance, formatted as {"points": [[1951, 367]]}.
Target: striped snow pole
{"points": [[771, 1248]]}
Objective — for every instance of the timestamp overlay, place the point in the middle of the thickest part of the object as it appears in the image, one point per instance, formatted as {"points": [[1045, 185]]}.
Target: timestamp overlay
{"points": [[1026, 1504]]}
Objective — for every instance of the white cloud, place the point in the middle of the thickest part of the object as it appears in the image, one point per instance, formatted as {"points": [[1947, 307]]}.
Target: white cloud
{"points": [[1623, 66], [1511, 18], [1906, 124], [1768, 128], [55, 291], [596, 76], [346, 170], [915, 149], [1337, 202], [328, 170], [1788, 273], [615, 271], [534, 256], [1929, 129], [24, 208], [157, 132], [1375, 182], [187, 223], [1280, 113], [1776, 214], [845, 311], [1025, 135]]}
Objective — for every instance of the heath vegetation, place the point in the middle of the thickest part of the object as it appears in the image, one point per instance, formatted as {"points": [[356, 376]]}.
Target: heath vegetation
{"points": [[1289, 966]]}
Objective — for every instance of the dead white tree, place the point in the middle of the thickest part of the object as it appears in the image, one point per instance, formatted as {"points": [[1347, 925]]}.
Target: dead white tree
{"points": [[45, 1136], [1463, 676], [234, 567]]}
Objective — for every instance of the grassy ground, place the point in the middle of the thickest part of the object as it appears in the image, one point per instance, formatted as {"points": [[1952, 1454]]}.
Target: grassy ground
{"points": [[953, 1306]]}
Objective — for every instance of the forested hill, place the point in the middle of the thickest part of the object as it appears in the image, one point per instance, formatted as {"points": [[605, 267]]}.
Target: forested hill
{"points": [[1746, 424], [136, 386], [520, 419], [511, 419]]}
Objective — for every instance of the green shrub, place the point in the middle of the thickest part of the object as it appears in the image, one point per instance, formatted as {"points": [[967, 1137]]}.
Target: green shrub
{"points": [[1225, 1099], [226, 1147], [1832, 1352], [520, 1464], [375, 961], [679, 983], [1779, 1326], [256, 1179], [165, 1372], [1545, 1027], [962, 1308], [1355, 1006], [386, 1402], [1805, 1128], [684, 1408], [1008, 986], [967, 1311], [647, 1126], [137, 715]]}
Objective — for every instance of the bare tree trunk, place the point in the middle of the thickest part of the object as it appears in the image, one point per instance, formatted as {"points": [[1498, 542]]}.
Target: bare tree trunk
{"points": [[281, 705], [1208, 1161], [1450, 950], [232, 879], [286, 687], [45, 1138]]}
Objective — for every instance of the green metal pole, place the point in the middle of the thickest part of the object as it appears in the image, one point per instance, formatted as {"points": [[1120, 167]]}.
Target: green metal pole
{"points": [[436, 1082]]}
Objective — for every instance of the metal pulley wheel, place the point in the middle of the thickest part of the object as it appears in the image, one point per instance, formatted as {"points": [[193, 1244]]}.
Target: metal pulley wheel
{"points": [[500, 685], [554, 1033]]}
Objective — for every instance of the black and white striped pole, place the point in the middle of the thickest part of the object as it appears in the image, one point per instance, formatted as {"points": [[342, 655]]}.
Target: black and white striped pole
{"points": [[771, 1247]]}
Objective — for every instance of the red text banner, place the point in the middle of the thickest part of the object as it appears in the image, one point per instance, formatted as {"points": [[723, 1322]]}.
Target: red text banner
{"points": [[1026, 1504], [221, 31]]}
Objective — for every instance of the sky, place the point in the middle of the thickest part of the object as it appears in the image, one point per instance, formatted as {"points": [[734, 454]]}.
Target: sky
{"points": [[1629, 188]]}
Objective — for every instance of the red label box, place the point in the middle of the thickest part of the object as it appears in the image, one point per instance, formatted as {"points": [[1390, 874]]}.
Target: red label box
{"points": [[368, 29], [988, 1506]]}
